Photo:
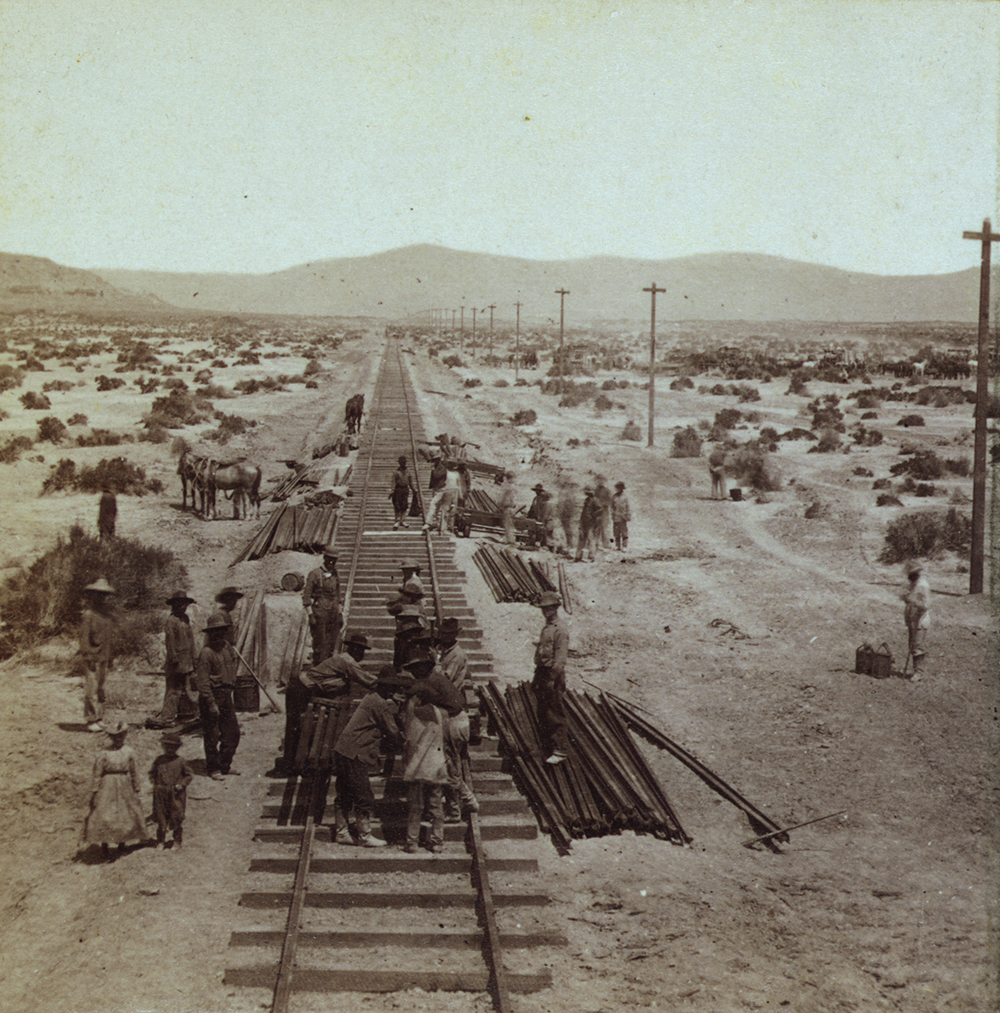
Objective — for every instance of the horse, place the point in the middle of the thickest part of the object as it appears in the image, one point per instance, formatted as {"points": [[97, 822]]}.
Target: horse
{"points": [[353, 411], [191, 470], [239, 478]]}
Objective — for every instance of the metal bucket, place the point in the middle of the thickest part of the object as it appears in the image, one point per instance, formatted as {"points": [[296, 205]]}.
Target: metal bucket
{"points": [[246, 696], [736, 495], [292, 582]]}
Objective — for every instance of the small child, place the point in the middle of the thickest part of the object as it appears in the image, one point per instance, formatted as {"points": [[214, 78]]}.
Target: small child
{"points": [[170, 775]]}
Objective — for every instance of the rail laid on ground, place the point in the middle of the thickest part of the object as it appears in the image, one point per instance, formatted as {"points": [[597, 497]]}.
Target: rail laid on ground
{"points": [[376, 920]]}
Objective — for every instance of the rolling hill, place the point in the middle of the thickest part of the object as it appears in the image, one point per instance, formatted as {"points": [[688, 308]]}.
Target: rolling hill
{"points": [[720, 286]]}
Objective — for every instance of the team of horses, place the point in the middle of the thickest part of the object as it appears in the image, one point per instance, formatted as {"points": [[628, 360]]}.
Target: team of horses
{"points": [[205, 477]]}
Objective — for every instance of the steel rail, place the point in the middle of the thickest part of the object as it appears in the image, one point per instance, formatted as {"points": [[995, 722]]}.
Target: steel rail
{"points": [[492, 952]]}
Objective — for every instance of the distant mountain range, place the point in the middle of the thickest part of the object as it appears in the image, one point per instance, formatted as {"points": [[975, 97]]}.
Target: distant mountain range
{"points": [[406, 282]]}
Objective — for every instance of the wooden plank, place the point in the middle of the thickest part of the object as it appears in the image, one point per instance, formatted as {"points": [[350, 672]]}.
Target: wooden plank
{"points": [[385, 981], [396, 899]]}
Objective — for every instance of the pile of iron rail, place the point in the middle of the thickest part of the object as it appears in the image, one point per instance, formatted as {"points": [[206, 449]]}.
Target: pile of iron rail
{"points": [[306, 474], [512, 577], [479, 499], [605, 785], [302, 528]]}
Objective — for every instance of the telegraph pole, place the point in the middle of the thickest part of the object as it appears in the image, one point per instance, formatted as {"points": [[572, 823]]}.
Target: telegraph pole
{"points": [[492, 307], [976, 567], [461, 336], [562, 293], [652, 358], [474, 312], [452, 325], [517, 341]]}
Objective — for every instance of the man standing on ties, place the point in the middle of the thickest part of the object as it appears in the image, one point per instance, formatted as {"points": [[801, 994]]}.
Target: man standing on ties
{"points": [[321, 598]]}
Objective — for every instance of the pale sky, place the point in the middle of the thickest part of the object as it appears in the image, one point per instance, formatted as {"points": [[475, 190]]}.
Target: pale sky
{"points": [[211, 135]]}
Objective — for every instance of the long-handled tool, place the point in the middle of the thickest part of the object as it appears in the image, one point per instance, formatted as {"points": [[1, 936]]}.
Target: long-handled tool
{"points": [[275, 703], [774, 833]]}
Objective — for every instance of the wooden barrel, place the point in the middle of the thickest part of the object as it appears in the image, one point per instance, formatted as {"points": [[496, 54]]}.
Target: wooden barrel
{"points": [[292, 582]]}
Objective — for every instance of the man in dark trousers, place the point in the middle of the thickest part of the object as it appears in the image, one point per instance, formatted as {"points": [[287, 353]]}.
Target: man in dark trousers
{"points": [[590, 521], [178, 665], [321, 598], [97, 635], [549, 682], [214, 678], [107, 514]]}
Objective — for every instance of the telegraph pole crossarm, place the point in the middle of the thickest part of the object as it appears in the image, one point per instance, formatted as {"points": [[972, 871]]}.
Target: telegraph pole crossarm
{"points": [[976, 560], [652, 358]]}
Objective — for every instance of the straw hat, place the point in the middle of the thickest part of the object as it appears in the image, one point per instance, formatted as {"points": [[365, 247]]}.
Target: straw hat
{"points": [[115, 728], [548, 598], [410, 564], [180, 597], [170, 739], [100, 586]]}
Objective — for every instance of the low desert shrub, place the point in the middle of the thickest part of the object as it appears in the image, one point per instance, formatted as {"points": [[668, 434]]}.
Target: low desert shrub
{"points": [[454, 361], [882, 483], [524, 417], [631, 432], [51, 430], [313, 366], [103, 438], [472, 381], [869, 415], [867, 437], [887, 499], [45, 598], [727, 418], [922, 534], [828, 442], [959, 466], [797, 382], [10, 376], [35, 402], [181, 408], [682, 383], [911, 420], [687, 443], [613, 385], [229, 426], [501, 382], [119, 474], [153, 432], [863, 473], [77, 420], [57, 385], [11, 451], [105, 383], [817, 511], [753, 466], [602, 402], [924, 465]]}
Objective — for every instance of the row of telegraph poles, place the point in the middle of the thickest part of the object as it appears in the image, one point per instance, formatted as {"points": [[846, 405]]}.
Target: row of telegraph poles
{"points": [[987, 237]]}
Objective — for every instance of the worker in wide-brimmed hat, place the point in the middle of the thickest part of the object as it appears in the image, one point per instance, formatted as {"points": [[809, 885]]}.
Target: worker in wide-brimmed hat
{"points": [[215, 678], [436, 487], [588, 534], [107, 514], [535, 510], [411, 572], [403, 484], [97, 637], [549, 681], [917, 615], [340, 676], [453, 660], [227, 598], [621, 514], [321, 599], [356, 752], [178, 637], [603, 496]]}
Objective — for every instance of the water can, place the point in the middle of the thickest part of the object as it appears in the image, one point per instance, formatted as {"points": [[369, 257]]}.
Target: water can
{"points": [[882, 662], [292, 582], [863, 659], [736, 495]]}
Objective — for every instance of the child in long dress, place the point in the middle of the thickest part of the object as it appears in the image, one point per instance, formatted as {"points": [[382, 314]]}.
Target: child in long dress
{"points": [[170, 775], [115, 803]]}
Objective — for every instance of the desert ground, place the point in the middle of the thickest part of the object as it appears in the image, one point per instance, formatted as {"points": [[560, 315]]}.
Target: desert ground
{"points": [[734, 624]]}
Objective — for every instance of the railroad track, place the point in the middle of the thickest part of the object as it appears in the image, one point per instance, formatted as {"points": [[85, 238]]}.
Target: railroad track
{"points": [[326, 918]]}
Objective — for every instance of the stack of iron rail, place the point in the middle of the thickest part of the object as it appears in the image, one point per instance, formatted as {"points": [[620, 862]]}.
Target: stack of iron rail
{"points": [[306, 474], [510, 576], [605, 786], [305, 529]]}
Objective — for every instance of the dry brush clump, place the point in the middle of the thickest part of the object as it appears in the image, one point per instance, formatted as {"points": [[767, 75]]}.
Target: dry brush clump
{"points": [[34, 401], [45, 598], [687, 443], [51, 430], [752, 465], [922, 534], [118, 474]]}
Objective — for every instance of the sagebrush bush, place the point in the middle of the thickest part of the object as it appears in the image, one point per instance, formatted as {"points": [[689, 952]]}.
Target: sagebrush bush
{"points": [[524, 417], [687, 443], [753, 466], [828, 442], [230, 426], [45, 598], [57, 385], [921, 534], [602, 402], [501, 383], [11, 451], [472, 381], [35, 402], [313, 366], [105, 383], [51, 430], [911, 420], [631, 432], [10, 376], [119, 474], [727, 418], [923, 464], [103, 438]]}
